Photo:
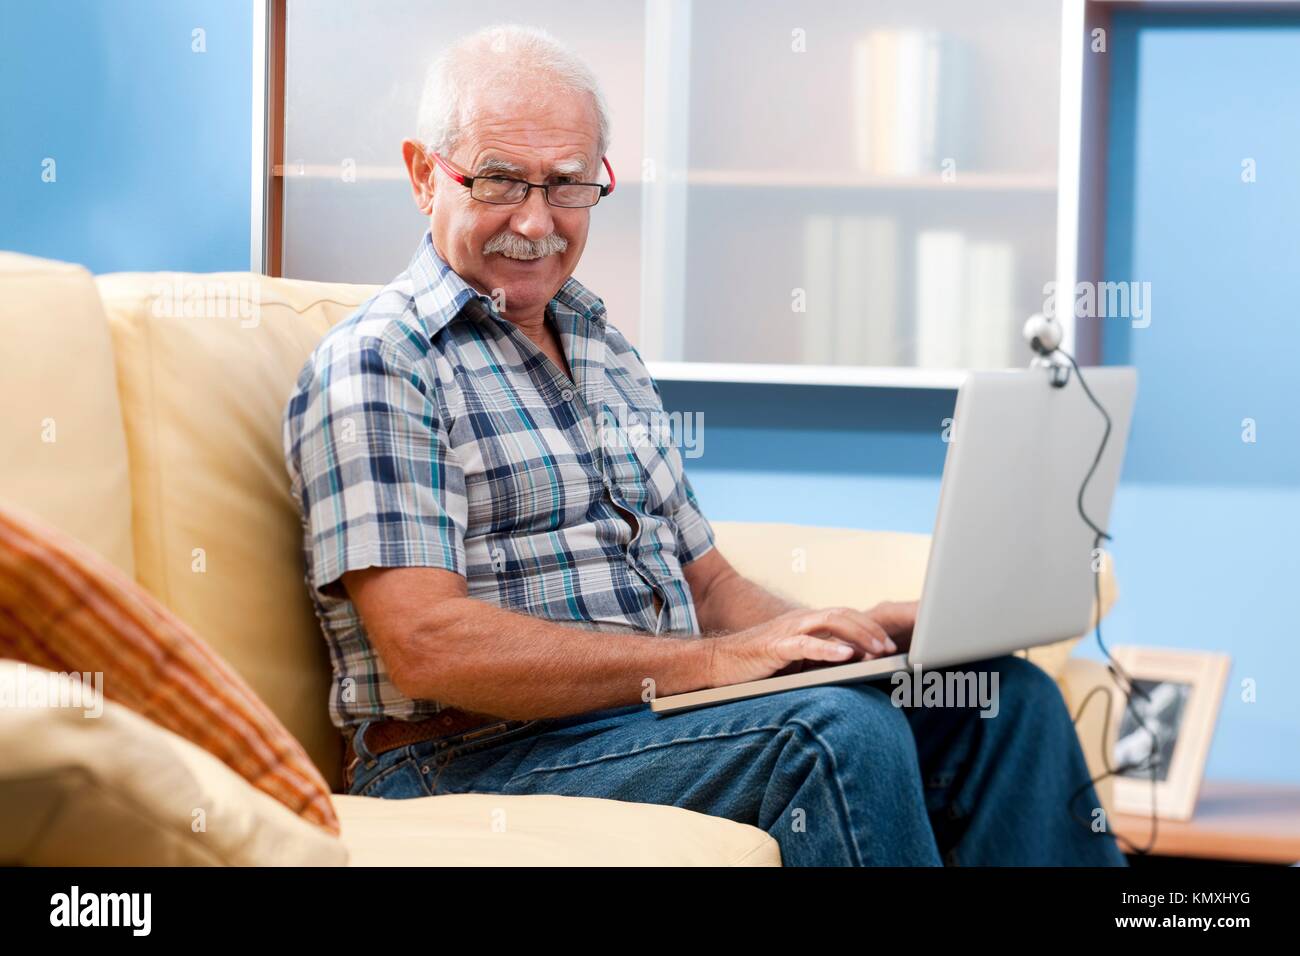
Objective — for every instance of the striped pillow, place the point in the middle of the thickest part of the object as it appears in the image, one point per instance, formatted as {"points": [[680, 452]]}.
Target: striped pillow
{"points": [[66, 609]]}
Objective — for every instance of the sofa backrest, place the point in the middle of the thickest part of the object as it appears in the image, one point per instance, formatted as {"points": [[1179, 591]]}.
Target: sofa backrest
{"points": [[826, 567], [205, 365], [62, 449], [168, 459]]}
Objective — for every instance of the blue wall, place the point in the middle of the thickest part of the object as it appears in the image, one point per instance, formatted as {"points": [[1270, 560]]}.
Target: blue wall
{"points": [[152, 143], [1207, 524], [820, 455]]}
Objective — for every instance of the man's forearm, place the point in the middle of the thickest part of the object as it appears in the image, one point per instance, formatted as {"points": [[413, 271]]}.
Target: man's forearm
{"points": [[734, 603], [480, 657]]}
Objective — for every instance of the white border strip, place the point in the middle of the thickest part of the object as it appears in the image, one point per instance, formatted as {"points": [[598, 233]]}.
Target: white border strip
{"points": [[1069, 162], [663, 197], [771, 374]]}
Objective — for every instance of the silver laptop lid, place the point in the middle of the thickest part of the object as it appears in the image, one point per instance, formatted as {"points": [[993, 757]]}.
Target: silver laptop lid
{"points": [[1011, 563]]}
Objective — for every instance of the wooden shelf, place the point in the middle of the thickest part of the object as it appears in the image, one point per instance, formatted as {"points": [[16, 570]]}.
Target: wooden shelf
{"points": [[853, 179], [335, 171], [371, 172], [743, 178], [1240, 822]]}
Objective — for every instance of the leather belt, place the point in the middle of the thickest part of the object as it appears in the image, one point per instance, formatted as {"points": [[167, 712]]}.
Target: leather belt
{"points": [[385, 735]]}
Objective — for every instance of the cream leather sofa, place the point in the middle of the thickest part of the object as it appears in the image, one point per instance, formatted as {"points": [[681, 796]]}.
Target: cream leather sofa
{"points": [[142, 415]]}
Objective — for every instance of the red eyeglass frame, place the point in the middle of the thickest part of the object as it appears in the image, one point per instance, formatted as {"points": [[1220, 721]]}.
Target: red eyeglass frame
{"points": [[468, 181]]}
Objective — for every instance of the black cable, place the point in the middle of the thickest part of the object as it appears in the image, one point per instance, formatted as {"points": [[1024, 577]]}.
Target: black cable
{"points": [[1153, 762], [1100, 449], [1121, 677]]}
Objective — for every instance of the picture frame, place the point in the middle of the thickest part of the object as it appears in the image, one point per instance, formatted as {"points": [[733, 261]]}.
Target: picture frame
{"points": [[1184, 690]]}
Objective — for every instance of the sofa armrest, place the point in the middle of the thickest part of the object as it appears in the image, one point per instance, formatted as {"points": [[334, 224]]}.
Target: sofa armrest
{"points": [[1093, 716]]}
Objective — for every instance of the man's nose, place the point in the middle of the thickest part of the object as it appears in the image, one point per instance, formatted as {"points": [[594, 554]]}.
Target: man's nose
{"points": [[532, 218]]}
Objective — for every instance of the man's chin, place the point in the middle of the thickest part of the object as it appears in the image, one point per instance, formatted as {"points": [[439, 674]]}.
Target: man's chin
{"points": [[526, 280]]}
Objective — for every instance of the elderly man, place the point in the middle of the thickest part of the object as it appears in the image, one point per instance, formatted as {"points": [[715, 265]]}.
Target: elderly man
{"points": [[502, 583]]}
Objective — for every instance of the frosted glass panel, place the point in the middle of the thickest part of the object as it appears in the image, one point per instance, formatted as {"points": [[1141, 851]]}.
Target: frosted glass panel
{"points": [[870, 183], [828, 183], [353, 76]]}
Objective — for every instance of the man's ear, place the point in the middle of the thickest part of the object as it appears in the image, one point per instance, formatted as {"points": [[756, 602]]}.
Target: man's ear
{"points": [[420, 171]]}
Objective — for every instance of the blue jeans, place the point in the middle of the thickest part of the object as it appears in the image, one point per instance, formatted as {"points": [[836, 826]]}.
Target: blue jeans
{"points": [[836, 775]]}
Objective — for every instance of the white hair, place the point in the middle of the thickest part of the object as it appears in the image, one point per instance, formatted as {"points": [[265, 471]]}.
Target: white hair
{"points": [[507, 51]]}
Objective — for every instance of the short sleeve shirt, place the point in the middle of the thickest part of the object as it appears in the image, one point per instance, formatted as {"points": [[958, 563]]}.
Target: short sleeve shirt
{"points": [[426, 430]]}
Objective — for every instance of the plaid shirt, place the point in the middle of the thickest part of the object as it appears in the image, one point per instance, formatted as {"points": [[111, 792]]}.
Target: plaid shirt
{"points": [[426, 430]]}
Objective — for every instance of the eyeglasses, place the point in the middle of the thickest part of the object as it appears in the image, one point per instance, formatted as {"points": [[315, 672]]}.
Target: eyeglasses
{"points": [[505, 191]]}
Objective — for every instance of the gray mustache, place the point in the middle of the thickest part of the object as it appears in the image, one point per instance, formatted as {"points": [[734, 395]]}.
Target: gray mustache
{"points": [[514, 246]]}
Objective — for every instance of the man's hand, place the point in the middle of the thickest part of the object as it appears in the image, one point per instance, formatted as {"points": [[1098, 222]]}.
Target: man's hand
{"points": [[898, 618], [801, 638]]}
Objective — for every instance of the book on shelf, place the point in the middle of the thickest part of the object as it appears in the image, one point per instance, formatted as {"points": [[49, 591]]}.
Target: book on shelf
{"points": [[940, 276], [850, 279], [991, 327], [908, 97], [817, 335], [866, 305], [965, 301], [964, 296]]}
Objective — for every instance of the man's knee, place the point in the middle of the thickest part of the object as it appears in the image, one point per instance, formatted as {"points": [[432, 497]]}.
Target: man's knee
{"points": [[1027, 677], [853, 717], [1024, 687]]}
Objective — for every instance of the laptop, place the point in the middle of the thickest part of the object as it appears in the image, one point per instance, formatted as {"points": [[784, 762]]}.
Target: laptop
{"points": [[1011, 562]]}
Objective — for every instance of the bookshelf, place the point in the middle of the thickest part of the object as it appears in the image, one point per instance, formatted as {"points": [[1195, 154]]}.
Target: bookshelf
{"points": [[831, 194]]}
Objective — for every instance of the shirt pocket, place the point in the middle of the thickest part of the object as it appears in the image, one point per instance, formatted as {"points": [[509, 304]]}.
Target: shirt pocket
{"points": [[643, 461]]}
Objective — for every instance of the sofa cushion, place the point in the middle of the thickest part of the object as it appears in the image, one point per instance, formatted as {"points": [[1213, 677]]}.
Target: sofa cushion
{"points": [[65, 608], [118, 790], [487, 829], [61, 437], [827, 567], [205, 366]]}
